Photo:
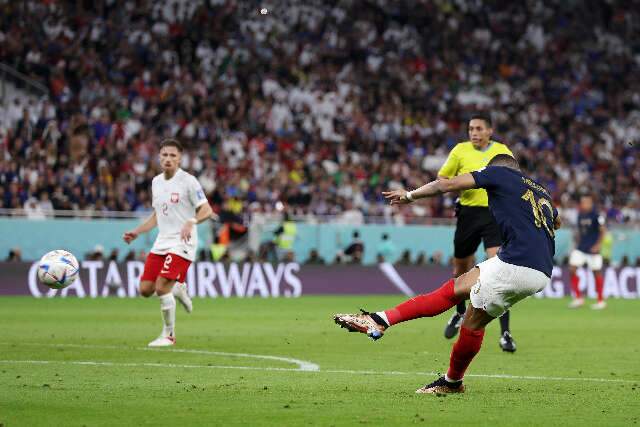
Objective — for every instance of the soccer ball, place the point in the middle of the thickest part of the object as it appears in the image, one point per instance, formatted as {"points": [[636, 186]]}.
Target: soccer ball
{"points": [[58, 269]]}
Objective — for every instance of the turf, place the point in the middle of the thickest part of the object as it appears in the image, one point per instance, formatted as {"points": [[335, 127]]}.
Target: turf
{"points": [[188, 388]]}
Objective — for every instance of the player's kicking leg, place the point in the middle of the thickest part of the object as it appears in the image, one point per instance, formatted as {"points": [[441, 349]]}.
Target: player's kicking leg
{"points": [[181, 294], [442, 299], [168, 309]]}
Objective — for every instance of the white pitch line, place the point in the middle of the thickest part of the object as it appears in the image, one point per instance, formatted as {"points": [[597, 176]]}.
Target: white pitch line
{"points": [[327, 371], [492, 376], [148, 365], [303, 365]]}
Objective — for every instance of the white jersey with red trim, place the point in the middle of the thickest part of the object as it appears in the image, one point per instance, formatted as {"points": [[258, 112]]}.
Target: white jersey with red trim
{"points": [[175, 201]]}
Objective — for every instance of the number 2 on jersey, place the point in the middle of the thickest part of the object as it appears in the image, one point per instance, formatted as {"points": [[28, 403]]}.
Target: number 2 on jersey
{"points": [[539, 217]]}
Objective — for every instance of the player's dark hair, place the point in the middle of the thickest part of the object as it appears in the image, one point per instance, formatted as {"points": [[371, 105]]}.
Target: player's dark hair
{"points": [[481, 116], [506, 161], [170, 142]]}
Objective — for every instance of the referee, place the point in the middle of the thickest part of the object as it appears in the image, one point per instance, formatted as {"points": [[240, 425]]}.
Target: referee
{"points": [[475, 221]]}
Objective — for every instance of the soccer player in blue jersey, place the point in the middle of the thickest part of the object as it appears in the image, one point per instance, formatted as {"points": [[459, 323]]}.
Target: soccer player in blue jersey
{"points": [[591, 232], [527, 220]]}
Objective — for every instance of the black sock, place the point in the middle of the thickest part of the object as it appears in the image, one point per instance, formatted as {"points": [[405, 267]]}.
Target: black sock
{"points": [[461, 308], [504, 322]]}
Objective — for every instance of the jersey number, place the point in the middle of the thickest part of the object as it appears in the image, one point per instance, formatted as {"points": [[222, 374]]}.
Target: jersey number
{"points": [[538, 215]]}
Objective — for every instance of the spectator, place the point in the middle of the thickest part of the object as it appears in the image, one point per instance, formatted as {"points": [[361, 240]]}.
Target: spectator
{"points": [[285, 237], [405, 258], [625, 261], [355, 250], [386, 249], [97, 254], [33, 210], [436, 258], [15, 255], [113, 256], [289, 256], [320, 109], [314, 258], [351, 215], [45, 205]]}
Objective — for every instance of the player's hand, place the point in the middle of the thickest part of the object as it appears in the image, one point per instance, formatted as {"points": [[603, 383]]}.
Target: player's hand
{"points": [[595, 249], [185, 233], [129, 236], [557, 223], [396, 197]]}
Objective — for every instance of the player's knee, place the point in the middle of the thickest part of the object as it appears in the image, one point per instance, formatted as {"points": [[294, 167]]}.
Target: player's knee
{"points": [[163, 286], [147, 289], [463, 284]]}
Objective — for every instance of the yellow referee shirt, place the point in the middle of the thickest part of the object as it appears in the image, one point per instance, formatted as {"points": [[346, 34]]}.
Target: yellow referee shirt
{"points": [[465, 158]]}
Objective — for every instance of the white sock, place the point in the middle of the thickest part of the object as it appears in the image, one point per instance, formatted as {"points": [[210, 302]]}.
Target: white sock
{"points": [[383, 315], [168, 309], [449, 380]]}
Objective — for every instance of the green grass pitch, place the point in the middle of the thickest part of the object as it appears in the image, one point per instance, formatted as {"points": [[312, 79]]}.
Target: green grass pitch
{"points": [[572, 367]]}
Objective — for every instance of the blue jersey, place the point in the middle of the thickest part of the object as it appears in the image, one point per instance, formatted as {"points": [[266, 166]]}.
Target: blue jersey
{"points": [[523, 211], [588, 230]]}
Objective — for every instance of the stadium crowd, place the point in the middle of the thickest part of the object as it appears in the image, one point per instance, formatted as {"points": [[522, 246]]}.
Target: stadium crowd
{"points": [[318, 104]]}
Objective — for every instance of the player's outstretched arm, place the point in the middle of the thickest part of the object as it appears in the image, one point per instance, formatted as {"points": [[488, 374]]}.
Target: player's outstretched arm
{"points": [[434, 188], [148, 224]]}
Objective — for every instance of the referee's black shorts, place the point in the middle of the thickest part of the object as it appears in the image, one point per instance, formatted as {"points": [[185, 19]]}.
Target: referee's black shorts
{"points": [[475, 224]]}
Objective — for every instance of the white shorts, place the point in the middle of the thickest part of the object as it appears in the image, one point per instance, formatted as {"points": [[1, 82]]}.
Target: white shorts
{"points": [[579, 259], [501, 285]]}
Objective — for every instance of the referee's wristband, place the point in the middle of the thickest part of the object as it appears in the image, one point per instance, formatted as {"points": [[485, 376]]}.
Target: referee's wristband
{"points": [[409, 196]]}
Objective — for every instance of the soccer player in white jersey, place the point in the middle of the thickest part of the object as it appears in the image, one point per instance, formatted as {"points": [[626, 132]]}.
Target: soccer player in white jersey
{"points": [[179, 204]]}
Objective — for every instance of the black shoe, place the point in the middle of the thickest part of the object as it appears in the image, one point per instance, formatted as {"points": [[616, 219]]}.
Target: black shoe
{"points": [[451, 330], [507, 343], [441, 386]]}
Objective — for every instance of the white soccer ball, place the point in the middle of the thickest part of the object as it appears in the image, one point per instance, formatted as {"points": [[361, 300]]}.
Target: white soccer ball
{"points": [[58, 269]]}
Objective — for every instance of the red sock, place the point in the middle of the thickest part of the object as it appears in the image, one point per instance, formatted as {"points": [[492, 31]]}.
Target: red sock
{"points": [[429, 305], [599, 286], [467, 346], [575, 285]]}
